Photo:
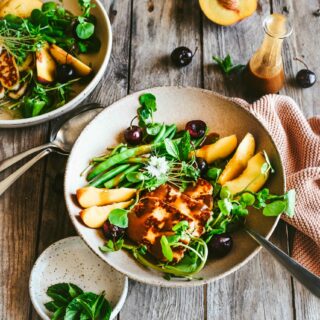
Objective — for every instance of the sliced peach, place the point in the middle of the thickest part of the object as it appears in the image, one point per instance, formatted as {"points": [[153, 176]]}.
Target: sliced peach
{"points": [[95, 217], [64, 57], [90, 196], [252, 178], [228, 12], [239, 160], [218, 150], [46, 66], [20, 8]]}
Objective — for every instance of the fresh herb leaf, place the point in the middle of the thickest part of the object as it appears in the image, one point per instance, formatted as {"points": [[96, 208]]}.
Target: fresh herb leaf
{"points": [[247, 199], [225, 206], [172, 148], [214, 173], [184, 146], [181, 226], [275, 208], [119, 217], [226, 64], [225, 193], [154, 128], [111, 246], [85, 30], [136, 177], [146, 110], [166, 249]]}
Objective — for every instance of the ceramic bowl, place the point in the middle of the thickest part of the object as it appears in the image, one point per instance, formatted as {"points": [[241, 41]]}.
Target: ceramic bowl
{"points": [[99, 62], [175, 105], [70, 260]]}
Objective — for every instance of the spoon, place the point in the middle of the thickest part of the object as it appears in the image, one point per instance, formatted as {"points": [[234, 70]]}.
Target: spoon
{"points": [[62, 137], [304, 276]]}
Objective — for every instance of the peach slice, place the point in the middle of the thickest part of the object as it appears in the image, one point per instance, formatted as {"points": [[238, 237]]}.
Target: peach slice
{"points": [[228, 12], [46, 66]]}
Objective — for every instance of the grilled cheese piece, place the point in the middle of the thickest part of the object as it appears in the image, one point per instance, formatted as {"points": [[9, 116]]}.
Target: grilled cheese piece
{"points": [[160, 210], [9, 73]]}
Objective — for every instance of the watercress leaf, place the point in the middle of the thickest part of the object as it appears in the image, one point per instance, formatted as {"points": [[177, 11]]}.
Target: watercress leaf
{"points": [[225, 206], [142, 249], [214, 173], [181, 226], [154, 128], [275, 208], [85, 30], [172, 148], [148, 100], [108, 247], [49, 6], [119, 217], [247, 198], [225, 193], [166, 249], [291, 199], [185, 146], [144, 117], [239, 210]]}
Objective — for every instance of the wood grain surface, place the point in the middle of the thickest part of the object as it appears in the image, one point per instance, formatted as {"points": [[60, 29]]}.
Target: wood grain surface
{"points": [[33, 214]]}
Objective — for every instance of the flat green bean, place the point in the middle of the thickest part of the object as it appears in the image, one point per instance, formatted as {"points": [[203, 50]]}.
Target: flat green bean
{"points": [[120, 177], [108, 175]]}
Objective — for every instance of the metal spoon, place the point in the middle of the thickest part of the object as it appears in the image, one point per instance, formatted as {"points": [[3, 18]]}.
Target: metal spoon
{"points": [[304, 276], [62, 137]]}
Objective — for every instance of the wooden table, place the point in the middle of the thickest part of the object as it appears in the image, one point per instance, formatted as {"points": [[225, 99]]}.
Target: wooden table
{"points": [[33, 213]]}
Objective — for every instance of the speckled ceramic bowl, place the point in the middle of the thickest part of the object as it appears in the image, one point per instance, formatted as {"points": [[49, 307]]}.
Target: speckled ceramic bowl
{"points": [[175, 105], [70, 260], [99, 62]]}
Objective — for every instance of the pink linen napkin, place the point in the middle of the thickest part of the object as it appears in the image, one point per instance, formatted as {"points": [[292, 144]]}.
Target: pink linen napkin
{"points": [[298, 141]]}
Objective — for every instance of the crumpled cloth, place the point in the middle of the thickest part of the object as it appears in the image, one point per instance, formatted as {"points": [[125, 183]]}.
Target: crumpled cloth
{"points": [[298, 141]]}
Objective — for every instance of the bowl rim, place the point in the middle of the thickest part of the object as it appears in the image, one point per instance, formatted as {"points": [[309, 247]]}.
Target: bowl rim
{"points": [[62, 242], [76, 101], [178, 284]]}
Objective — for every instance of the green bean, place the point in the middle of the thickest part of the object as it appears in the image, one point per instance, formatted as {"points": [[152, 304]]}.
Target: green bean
{"points": [[108, 175], [120, 157], [160, 135], [136, 160], [120, 177]]}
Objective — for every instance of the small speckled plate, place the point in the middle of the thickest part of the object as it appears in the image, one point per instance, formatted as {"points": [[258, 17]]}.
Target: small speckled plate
{"points": [[70, 260]]}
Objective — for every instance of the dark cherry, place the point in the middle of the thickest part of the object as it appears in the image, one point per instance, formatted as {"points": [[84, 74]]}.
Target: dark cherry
{"points": [[182, 56], [112, 232], [306, 78], [220, 245], [196, 128], [202, 165], [133, 135], [65, 73]]}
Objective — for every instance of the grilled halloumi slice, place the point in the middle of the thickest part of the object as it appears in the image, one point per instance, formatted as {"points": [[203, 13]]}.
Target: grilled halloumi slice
{"points": [[9, 72], [152, 218], [197, 210], [159, 211]]}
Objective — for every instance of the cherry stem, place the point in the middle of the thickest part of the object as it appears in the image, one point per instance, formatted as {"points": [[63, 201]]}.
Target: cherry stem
{"points": [[300, 60], [132, 121], [195, 52]]}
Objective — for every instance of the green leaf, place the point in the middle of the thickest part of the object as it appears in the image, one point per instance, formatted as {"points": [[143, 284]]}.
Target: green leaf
{"points": [[119, 217], [247, 198], [101, 308], [275, 208], [291, 199], [154, 128], [172, 148], [111, 246], [225, 193], [166, 249], [214, 173], [185, 146], [238, 210], [85, 30], [63, 292], [226, 64], [59, 314], [225, 206], [52, 306], [76, 306], [148, 100], [181, 226]]}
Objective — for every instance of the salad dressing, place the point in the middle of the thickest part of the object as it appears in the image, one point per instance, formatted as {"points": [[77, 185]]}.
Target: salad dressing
{"points": [[264, 72]]}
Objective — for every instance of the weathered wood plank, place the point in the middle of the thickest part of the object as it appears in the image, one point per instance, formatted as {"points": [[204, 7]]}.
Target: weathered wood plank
{"points": [[303, 43], [55, 223], [20, 209], [158, 28], [254, 291]]}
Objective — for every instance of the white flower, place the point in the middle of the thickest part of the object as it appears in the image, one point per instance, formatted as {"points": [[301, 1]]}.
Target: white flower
{"points": [[157, 166]]}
